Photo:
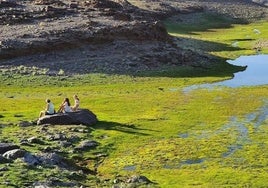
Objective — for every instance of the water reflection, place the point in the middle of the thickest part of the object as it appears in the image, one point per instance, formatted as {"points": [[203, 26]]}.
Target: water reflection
{"points": [[254, 74]]}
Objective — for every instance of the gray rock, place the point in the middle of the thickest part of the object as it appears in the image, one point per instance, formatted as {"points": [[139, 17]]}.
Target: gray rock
{"points": [[4, 160], [3, 169], [4, 147], [47, 159], [14, 154], [25, 124], [65, 144], [31, 159], [87, 144], [52, 159], [57, 136], [139, 179], [35, 140], [40, 185], [262, 2], [83, 116]]}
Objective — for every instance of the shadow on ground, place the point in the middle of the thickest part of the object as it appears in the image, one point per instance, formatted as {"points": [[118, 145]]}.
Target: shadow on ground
{"points": [[129, 129]]}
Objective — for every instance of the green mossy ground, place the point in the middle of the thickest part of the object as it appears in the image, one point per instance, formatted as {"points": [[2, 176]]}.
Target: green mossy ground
{"points": [[148, 125]]}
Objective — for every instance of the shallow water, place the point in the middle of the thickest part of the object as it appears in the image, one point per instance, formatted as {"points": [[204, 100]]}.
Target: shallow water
{"points": [[256, 73]]}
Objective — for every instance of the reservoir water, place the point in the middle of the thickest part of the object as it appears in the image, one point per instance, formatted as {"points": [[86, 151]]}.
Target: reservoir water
{"points": [[256, 73]]}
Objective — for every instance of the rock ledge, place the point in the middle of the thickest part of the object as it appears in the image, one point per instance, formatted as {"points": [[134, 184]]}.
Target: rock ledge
{"points": [[83, 116]]}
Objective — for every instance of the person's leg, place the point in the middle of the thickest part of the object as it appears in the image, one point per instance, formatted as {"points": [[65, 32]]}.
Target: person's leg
{"points": [[42, 113]]}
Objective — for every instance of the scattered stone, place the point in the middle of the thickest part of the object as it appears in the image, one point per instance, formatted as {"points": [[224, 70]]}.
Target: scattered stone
{"points": [[53, 159], [65, 144], [25, 142], [8, 3], [4, 160], [86, 145], [14, 154], [4, 147], [3, 168], [73, 138], [47, 159], [76, 176], [262, 2], [40, 185], [31, 159], [57, 136], [35, 140], [25, 123], [139, 179]]}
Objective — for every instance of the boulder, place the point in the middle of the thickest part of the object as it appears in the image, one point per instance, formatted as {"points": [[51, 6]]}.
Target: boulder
{"points": [[14, 154], [262, 2], [4, 160], [82, 116], [4, 147]]}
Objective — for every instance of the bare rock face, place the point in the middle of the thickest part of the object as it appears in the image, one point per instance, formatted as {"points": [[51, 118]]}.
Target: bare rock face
{"points": [[83, 116], [4, 147], [262, 2], [103, 4]]}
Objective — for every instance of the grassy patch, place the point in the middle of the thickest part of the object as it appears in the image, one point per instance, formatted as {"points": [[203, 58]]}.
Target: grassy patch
{"points": [[148, 125], [220, 36]]}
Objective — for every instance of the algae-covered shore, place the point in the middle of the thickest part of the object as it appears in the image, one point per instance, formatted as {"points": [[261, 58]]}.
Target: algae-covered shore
{"points": [[129, 62]]}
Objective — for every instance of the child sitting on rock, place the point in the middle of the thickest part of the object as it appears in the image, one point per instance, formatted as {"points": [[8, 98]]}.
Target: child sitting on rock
{"points": [[76, 103], [65, 106], [49, 110]]}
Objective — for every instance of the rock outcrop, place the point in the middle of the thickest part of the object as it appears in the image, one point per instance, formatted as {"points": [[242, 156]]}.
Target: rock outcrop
{"points": [[4, 147], [83, 116], [262, 2]]}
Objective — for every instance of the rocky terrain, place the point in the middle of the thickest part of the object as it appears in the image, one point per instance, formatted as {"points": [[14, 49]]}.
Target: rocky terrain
{"points": [[107, 36], [55, 37]]}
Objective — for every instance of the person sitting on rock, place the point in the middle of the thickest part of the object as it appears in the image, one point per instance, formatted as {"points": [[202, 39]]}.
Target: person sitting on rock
{"points": [[49, 110], [65, 106], [76, 103]]}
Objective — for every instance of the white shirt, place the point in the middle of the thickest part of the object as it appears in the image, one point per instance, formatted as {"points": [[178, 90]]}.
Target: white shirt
{"points": [[50, 108], [67, 108]]}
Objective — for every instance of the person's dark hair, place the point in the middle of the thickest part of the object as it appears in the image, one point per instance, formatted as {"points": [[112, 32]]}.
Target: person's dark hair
{"points": [[48, 100], [75, 96], [68, 102]]}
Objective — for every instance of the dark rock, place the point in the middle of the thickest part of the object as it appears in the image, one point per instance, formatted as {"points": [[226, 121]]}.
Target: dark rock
{"points": [[73, 5], [47, 159], [31, 159], [14, 154], [57, 136], [41, 185], [4, 147], [35, 140], [76, 176], [25, 124], [83, 116], [139, 179], [103, 4], [4, 160], [53, 159], [8, 3], [3, 168], [87, 144], [65, 144], [262, 2], [25, 142], [48, 2], [73, 138]]}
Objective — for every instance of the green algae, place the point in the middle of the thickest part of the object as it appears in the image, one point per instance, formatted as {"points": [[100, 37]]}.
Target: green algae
{"points": [[148, 125]]}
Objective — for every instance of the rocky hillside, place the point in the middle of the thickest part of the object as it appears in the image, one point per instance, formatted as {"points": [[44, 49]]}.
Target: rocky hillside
{"points": [[107, 36]]}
